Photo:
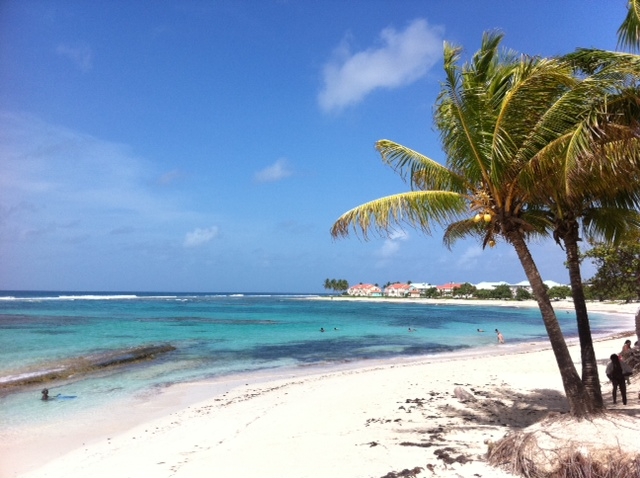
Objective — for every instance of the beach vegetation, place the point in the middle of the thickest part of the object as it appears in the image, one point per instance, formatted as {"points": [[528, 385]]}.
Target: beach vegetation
{"points": [[465, 290], [560, 292], [617, 274], [502, 291], [336, 285], [523, 294], [432, 293], [484, 294]]}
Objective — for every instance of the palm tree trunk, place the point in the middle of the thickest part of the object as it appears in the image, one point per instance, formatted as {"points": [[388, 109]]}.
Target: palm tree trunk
{"points": [[587, 354], [573, 387]]}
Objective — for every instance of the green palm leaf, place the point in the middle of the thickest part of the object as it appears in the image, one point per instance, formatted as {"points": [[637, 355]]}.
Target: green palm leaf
{"points": [[418, 209], [629, 31], [422, 172]]}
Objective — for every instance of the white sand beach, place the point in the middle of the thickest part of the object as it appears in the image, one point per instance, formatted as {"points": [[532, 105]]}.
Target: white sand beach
{"points": [[435, 413]]}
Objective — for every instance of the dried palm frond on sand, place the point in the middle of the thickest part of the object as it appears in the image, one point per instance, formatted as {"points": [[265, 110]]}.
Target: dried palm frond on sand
{"points": [[605, 446]]}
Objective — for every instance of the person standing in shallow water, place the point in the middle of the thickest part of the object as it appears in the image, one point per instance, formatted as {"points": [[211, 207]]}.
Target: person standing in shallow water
{"points": [[616, 373], [500, 337]]}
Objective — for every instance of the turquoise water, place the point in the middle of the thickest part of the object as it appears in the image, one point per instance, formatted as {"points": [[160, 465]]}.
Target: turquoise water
{"points": [[217, 334]]}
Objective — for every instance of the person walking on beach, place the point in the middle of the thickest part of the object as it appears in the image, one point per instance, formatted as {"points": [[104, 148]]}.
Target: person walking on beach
{"points": [[500, 337], [616, 372], [625, 354]]}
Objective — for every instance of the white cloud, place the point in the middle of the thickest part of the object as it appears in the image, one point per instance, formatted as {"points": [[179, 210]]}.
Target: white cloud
{"points": [[49, 172], [391, 245], [198, 236], [277, 171], [80, 55], [470, 258], [403, 58]]}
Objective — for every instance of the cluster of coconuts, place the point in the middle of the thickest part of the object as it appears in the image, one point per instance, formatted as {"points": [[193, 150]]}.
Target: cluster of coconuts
{"points": [[479, 217], [487, 218]]}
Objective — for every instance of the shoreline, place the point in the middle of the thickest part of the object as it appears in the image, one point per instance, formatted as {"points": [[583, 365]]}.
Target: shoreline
{"points": [[601, 307], [356, 416]]}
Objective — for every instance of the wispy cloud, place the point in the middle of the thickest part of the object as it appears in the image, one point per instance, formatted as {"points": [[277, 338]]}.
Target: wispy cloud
{"points": [[199, 237], [469, 259], [276, 172], [169, 177], [122, 230], [80, 55], [391, 246], [49, 172], [403, 58]]}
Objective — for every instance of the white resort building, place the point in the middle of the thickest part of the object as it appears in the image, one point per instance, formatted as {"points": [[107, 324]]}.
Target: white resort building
{"points": [[397, 290], [365, 290]]}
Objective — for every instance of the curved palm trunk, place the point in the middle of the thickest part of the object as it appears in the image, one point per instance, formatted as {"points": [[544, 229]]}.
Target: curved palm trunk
{"points": [[587, 354], [573, 386]]}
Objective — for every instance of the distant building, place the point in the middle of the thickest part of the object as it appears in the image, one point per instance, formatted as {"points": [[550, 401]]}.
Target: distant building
{"points": [[447, 289], [514, 287], [521, 285], [364, 290], [489, 285], [549, 283], [397, 290], [416, 289]]}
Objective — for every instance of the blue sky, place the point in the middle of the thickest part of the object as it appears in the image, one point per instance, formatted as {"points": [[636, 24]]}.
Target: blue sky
{"points": [[210, 145]]}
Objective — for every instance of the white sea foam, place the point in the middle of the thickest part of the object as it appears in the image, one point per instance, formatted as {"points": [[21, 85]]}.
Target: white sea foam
{"points": [[27, 375], [10, 298], [97, 297]]}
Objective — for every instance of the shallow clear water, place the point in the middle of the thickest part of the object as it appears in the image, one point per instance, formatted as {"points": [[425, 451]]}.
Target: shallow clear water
{"points": [[217, 335]]}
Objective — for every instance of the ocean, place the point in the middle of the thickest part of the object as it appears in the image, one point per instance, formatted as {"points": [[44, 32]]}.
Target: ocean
{"points": [[90, 340]]}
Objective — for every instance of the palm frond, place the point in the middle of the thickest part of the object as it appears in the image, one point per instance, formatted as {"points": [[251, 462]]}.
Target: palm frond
{"points": [[596, 119], [421, 171], [461, 114], [629, 31], [517, 136], [484, 60], [536, 222], [417, 209], [612, 225], [462, 229]]}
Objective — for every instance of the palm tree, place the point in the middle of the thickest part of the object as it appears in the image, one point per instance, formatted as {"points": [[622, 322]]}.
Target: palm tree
{"points": [[328, 283], [494, 116], [593, 173]]}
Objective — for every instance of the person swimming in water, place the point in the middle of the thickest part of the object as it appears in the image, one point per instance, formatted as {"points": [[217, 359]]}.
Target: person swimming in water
{"points": [[45, 394]]}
